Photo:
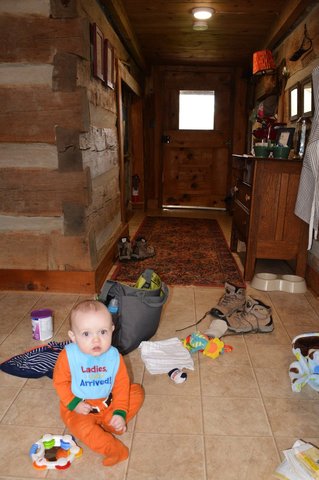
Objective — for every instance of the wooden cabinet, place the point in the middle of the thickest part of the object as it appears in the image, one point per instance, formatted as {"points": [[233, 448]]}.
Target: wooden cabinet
{"points": [[265, 192]]}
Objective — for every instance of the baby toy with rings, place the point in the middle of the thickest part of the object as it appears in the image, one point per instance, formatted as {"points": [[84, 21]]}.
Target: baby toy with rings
{"points": [[64, 449]]}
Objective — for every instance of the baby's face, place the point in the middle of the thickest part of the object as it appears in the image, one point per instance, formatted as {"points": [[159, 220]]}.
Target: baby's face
{"points": [[92, 331]]}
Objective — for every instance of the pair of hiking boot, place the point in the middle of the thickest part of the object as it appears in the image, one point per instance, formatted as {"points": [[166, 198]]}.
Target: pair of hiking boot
{"points": [[241, 313], [139, 250]]}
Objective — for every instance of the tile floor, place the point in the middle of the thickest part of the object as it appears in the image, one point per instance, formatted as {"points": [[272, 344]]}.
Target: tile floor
{"points": [[231, 419]]}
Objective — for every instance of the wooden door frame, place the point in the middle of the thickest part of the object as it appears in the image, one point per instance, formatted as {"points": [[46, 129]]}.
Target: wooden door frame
{"points": [[175, 79], [123, 76], [239, 127]]}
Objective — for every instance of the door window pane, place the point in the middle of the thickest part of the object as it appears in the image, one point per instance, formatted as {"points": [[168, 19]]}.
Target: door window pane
{"points": [[196, 110]]}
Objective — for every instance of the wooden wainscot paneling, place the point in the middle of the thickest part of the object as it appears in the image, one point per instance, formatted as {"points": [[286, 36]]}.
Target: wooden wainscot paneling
{"points": [[35, 39], [42, 192], [31, 115]]}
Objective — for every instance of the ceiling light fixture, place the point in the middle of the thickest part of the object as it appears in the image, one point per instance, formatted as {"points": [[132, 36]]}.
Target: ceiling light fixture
{"points": [[200, 25], [202, 13]]}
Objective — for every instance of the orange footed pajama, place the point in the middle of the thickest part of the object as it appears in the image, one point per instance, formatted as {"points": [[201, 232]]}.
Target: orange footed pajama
{"points": [[95, 432]]}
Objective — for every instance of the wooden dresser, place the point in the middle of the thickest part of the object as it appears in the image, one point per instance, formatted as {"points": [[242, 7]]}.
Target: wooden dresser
{"points": [[265, 192]]}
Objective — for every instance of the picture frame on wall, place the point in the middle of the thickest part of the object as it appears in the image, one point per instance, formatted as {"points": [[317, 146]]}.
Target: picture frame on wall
{"points": [[306, 97], [98, 52], [294, 102], [109, 64], [285, 136]]}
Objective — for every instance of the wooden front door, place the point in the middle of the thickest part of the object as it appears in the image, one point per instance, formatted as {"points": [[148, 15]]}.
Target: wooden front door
{"points": [[196, 163]]}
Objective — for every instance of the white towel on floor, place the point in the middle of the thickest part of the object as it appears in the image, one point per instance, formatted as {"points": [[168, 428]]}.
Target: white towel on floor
{"points": [[164, 355]]}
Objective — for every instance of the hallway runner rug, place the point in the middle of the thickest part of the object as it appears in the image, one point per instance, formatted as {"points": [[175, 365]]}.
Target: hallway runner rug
{"points": [[189, 251]]}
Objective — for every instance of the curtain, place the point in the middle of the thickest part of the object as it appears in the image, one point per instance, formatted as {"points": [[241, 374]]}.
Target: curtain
{"points": [[307, 203]]}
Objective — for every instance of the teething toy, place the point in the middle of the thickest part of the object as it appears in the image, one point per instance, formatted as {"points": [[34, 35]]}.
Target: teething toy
{"points": [[211, 347], [65, 450]]}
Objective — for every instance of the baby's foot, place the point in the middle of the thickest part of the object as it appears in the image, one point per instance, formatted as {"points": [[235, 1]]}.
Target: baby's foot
{"points": [[118, 456]]}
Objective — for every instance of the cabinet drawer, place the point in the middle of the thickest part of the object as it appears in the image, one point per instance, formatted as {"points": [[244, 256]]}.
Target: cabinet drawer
{"points": [[241, 220], [243, 194]]}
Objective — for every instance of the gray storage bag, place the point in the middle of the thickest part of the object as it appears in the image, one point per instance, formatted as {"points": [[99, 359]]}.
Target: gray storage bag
{"points": [[139, 312]]}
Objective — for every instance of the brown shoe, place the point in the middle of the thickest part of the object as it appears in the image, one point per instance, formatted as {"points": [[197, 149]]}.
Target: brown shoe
{"points": [[255, 317], [124, 249], [233, 299], [141, 250]]}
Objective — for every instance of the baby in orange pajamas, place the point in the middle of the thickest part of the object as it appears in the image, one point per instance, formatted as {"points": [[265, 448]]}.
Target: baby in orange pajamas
{"points": [[97, 399]]}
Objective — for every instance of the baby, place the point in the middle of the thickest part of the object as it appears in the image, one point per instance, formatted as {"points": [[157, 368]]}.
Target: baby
{"points": [[97, 399]]}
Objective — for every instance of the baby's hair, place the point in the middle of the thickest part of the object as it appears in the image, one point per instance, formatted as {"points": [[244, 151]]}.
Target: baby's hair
{"points": [[86, 306]]}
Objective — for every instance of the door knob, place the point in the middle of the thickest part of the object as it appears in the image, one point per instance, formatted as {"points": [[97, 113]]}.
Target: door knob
{"points": [[166, 139]]}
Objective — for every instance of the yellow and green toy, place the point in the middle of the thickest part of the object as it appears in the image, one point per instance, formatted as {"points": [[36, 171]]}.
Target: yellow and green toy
{"points": [[199, 342]]}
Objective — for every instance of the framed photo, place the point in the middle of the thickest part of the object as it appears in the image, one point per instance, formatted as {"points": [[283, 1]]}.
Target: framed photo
{"points": [[294, 102], [285, 136], [98, 52], [109, 60], [306, 97]]}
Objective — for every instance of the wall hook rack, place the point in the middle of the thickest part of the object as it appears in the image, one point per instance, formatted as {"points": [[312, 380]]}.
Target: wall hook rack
{"points": [[305, 46]]}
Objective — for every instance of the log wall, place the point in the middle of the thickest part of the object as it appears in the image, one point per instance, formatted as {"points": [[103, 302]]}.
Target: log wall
{"points": [[60, 214]]}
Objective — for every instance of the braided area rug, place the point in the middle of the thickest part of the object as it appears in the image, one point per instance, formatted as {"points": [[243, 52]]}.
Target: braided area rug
{"points": [[189, 251]]}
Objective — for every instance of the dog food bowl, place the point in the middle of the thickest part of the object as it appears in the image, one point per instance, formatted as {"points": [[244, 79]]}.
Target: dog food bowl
{"points": [[285, 283]]}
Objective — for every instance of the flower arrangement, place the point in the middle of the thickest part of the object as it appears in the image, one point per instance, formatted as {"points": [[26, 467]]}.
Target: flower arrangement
{"points": [[267, 131]]}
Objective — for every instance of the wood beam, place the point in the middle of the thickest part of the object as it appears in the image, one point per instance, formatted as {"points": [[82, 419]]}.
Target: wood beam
{"points": [[293, 11], [130, 81], [82, 282], [120, 21]]}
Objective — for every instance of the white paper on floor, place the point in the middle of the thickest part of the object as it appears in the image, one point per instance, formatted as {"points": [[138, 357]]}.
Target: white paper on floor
{"points": [[301, 462], [164, 355]]}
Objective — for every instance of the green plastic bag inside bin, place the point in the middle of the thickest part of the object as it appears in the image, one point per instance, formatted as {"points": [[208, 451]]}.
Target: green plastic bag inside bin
{"points": [[149, 280]]}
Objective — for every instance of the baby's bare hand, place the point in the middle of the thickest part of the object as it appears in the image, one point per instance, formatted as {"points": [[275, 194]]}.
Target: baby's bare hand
{"points": [[83, 408], [118, 423]]}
